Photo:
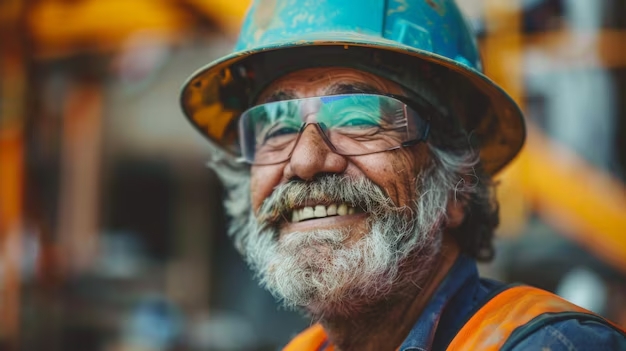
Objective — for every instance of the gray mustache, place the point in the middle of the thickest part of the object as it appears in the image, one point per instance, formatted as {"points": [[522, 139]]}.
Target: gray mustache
{"points": [[328, 188]]}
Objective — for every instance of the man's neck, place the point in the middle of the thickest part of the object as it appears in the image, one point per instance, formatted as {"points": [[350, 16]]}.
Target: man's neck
{"points": [[386, 326]]}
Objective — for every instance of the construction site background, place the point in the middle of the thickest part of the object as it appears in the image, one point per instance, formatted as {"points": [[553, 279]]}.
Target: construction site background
{"points": [[112, 234]]}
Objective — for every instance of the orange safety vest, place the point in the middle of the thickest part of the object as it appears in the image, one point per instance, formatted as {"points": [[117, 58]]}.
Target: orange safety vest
{"points": [[491, 326]]}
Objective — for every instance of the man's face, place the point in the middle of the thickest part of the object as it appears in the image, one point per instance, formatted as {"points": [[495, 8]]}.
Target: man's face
{"points": [[394, 172], [371, 231]]}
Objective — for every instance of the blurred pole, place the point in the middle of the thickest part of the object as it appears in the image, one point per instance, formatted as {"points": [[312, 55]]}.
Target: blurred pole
{"points": [[502, 51], [503, 46], [80, 173], [13, 78]]}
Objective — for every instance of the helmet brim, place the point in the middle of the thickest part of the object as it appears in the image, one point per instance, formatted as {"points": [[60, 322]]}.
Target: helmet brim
{"points": [[211, 101]]}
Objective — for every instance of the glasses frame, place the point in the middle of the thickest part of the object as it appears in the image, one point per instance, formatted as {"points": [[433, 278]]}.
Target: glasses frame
{"points": [[321, 127]]}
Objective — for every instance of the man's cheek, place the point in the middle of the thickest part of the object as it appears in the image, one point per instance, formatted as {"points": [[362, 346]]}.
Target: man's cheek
{"points": [[404, 168], [256, 199], [263, 180]]}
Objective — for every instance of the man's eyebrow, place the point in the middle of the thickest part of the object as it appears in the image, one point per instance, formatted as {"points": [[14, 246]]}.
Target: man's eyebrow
{"points": [[333, 89], [352, 88], [279, 95]]}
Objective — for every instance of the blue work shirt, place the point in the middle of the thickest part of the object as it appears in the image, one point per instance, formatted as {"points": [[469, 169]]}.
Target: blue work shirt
{"points": [[462, 292]]}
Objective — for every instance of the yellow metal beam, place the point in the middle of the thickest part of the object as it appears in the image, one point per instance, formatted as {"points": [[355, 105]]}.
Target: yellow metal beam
{"points": [[65, 26], [227, 13], [603, 49], [62, 27], [587, 205]]}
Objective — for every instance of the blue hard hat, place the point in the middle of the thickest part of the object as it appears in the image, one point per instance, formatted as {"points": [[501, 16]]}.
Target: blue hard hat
{"points": [[423, 45]]}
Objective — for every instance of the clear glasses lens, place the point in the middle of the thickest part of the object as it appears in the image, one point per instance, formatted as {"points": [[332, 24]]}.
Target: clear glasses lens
{"points": [[354, 124]]}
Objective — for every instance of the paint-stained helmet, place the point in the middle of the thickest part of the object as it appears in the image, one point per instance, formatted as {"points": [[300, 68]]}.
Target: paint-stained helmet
{"points": [[423, 45]]}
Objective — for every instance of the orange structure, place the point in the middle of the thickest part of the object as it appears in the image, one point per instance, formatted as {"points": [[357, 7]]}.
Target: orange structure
{"points": [[539, 180]]}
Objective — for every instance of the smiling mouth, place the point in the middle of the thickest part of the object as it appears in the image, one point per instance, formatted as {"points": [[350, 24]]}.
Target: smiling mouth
{"points": [[323, 211]]}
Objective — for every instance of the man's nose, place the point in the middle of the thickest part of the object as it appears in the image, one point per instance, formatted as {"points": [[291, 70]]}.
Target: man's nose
{"points": [[312, 156]]}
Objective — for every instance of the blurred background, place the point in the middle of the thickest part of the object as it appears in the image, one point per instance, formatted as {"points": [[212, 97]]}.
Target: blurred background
{"points": [[112, 234]]}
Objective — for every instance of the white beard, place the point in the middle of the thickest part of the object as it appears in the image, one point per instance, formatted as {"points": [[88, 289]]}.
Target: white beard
{"points": [[319, 272]]}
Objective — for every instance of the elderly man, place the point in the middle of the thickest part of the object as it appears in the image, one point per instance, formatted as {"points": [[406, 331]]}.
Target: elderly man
{"points": [[357, 140]]}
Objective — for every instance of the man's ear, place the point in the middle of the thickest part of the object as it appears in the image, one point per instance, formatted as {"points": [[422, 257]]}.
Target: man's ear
{"points": [[455, 211]]}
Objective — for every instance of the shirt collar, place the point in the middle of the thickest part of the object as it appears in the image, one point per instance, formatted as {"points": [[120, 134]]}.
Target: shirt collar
{"points": [[422, 334]]}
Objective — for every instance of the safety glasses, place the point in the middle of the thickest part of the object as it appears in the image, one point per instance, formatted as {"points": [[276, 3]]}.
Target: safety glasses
{"points": [[351, 125]]}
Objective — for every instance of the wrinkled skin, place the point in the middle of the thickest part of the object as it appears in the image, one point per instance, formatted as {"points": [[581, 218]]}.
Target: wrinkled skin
{"points": [[395, 172]]}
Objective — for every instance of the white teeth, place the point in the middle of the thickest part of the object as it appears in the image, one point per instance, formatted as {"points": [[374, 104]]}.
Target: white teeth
{"points": [[320, 211], [342, 210], [307, 213], [331, 210]]}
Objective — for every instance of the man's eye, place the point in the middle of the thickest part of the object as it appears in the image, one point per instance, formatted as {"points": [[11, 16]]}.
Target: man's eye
{"points": [[279, 133], [355, 117], [358, 122]]}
